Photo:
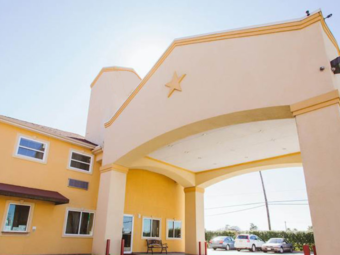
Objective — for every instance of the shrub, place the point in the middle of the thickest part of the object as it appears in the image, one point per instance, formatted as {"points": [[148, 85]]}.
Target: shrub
{"points": [[298, 238]]}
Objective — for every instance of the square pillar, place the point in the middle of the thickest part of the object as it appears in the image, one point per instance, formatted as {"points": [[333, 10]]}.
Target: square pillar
{"points": [[110, 209], [194, 219], [318, 124]]}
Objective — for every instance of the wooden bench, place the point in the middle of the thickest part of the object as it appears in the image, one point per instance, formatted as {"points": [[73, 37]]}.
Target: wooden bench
{"points": [[156, 244]]}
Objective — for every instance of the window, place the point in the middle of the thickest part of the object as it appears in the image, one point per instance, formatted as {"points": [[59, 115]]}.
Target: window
{"points": [[31, 149], [80, 162], [17, 218], [174, 229], [79, 223], [78, 184], [151, 228]]}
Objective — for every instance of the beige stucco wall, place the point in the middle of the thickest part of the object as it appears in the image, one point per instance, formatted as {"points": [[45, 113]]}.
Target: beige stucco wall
{"points": [[194, 221], [331, 53], [223, 77], [319, 135], [107, 94], [110, 209]]}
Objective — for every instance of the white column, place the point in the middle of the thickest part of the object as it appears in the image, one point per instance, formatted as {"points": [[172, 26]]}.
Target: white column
{"points": [[318, 123], [194, 219], [110, 209]]}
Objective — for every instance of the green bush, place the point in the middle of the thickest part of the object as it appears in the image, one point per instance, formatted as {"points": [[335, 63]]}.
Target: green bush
{"points": [[298, 239]]}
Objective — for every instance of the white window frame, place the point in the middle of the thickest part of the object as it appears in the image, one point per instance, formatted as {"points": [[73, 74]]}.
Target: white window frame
{"points": [[81, 213], [167, 230], [47, 145], [78, 169], [160, 228], [29, 219]]}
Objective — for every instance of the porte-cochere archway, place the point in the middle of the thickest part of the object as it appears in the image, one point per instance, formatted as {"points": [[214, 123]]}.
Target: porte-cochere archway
{"points": [[256, 84]]}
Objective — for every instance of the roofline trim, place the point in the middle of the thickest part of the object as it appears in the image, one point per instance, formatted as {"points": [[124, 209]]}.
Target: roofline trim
{"points": [[69, 140], [247, 32], [112, 69], [248, 27]]}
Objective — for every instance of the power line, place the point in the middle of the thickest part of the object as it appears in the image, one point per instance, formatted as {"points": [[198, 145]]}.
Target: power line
{"points": [[289, 204], [282, 201], [236, 211], [251, 208], [212, 208], [293, 200], [252, 193]]}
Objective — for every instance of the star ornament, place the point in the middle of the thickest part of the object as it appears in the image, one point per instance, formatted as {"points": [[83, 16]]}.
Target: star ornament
{"points": [[175, 84]]}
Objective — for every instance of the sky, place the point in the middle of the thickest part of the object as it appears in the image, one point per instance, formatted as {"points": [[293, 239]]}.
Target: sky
{"points": [[51, 51], [286, 184]]}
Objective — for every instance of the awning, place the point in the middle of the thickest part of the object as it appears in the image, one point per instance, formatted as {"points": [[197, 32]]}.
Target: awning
{"points": [[30, 193]]}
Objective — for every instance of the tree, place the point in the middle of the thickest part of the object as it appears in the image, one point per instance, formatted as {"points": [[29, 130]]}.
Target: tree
{"points": [[253, 227], [235, 228], [310, 229]]}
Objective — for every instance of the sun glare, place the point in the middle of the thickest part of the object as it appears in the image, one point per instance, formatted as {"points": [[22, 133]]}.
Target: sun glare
{"points": [[142, 56]]}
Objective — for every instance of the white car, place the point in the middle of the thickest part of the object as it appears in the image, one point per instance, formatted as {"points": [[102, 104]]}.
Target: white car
{"points": [[248, 242]]}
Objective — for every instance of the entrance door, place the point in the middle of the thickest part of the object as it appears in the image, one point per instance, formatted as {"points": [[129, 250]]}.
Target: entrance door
{"points": [[128, 233]]}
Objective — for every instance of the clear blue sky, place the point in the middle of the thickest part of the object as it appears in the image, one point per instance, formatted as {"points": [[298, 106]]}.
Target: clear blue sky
{"points": [[50, 52]]}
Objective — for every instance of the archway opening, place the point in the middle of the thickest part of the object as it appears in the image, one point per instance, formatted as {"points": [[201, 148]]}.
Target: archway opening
{"points": [[224, 154], [238, 205]]}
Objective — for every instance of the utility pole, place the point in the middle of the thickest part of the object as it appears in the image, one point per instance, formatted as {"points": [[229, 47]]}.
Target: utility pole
{"points": [[286, 225], [266, 201]]}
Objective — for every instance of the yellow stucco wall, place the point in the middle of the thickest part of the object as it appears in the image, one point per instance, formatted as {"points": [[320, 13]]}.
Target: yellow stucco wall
{"points": [[47, 218], [153, 195]]}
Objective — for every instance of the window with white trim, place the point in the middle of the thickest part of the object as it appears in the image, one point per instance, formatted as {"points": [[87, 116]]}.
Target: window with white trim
{"points": [[80, 162], [17, 218], [174, 229], [31, 149], [79, 223], [151, 227]]}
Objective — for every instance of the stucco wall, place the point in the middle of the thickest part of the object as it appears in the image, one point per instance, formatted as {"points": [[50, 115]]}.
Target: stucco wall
{"points": [[107, 94], [47, 217], [224, 76], [149, 194], [332, 53]]}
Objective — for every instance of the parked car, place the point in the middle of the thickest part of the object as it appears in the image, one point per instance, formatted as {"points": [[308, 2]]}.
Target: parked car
{"points": [[248, 242], [277, 245], [222, 242]]}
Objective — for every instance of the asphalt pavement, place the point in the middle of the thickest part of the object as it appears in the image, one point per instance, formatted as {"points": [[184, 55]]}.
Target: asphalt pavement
{"points": [[244, 252]]}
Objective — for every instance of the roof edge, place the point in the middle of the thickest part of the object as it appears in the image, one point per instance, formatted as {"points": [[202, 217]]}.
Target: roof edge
{"points": [[113, 69], [245, 32], [65, 139]]}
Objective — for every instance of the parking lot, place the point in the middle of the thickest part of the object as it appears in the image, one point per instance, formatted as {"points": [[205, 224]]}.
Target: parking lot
{"points": [[233, 252]]}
